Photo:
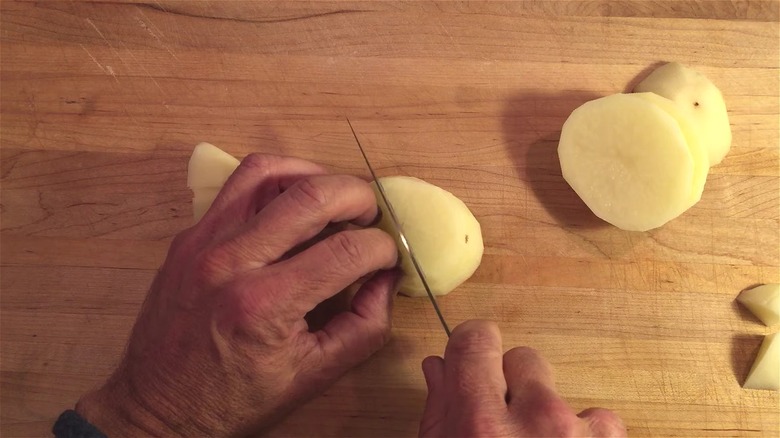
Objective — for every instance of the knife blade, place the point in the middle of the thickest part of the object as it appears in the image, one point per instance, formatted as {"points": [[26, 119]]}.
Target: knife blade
{"points": [[402, 236]]}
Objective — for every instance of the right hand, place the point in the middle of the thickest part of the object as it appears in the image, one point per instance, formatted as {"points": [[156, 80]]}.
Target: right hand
{"points": [[476, 391]]}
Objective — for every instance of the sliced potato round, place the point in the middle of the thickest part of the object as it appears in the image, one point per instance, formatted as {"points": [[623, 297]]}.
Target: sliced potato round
{"points": [[701, 161], [698, 97], [628, 160], [445, 237]]}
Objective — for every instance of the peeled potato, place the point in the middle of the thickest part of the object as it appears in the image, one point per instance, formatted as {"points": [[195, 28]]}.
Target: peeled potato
{"points": [[764, 302], [699, 98], [209, 167], [765, 372], [202, 199], [444, 235], [701, 161], [628, 160]]}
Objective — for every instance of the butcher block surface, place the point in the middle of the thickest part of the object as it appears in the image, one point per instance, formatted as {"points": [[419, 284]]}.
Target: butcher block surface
{"points": [[102, 103]]}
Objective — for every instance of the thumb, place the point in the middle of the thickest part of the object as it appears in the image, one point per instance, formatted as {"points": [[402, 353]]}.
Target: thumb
{"points": [[435, 406], [351, 337]]}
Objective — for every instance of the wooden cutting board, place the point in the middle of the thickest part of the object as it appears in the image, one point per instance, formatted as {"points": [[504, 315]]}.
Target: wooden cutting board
{"points": [[102, 103]]}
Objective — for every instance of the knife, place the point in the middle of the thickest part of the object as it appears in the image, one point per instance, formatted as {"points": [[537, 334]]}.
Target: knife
{"points": [[399, 229]]}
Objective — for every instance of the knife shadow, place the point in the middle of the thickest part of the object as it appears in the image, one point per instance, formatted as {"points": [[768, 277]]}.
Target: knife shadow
{"points": [[390, 402], [380, 397], [376, 398]]}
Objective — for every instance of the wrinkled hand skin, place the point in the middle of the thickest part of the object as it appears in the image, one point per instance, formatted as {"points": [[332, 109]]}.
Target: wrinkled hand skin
{"points": [[477, 391], [221, 346]]}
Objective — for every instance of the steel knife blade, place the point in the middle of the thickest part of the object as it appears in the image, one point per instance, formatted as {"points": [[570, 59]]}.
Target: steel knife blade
{"points": [[402, 236]]}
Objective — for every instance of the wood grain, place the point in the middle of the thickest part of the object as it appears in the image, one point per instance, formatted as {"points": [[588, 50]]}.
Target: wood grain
{"points": [[101, 103]]}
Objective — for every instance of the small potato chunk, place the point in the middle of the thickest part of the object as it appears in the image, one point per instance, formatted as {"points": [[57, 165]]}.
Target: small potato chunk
{"points": [[445, 237], [764, 302], [628, 160], [765, 373], [209, 167], [698, 97]]}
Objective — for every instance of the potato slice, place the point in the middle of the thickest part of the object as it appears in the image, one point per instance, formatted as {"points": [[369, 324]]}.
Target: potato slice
{"points": [[765, 372], [202, 198], [701, 161], [698, 97], [628, 160], [444, 235], [764, 302], [209, 167]]}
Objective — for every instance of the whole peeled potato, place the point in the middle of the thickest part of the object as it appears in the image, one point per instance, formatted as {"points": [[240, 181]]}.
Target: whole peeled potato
{"points": [[445, 237]]}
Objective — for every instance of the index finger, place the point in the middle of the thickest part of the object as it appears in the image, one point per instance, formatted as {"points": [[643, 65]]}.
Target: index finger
{"points": [[473, 366], [257, 181]]}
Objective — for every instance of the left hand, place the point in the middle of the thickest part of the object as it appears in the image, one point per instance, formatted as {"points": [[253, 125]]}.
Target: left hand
{"points": [[221, 346]]}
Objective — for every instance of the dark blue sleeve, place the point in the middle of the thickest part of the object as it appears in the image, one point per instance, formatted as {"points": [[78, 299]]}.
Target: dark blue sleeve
{"points": [[72, 425]]}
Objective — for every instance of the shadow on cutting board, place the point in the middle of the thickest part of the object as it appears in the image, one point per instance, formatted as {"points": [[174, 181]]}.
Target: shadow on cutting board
{"points": [[742, 311], [744, 348], [379, 397], [391, 403], [532, 126]]}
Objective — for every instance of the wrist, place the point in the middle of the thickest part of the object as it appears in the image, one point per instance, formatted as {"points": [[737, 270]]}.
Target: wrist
{"points": [[116, 411]]}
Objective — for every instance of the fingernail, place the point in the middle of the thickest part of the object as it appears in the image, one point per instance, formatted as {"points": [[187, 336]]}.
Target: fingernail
{"points": [[377, 219]]}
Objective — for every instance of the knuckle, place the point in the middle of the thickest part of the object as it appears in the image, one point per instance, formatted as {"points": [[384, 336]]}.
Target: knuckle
{"points": [[475, 384], [522, 353], [476, 339], [550, 405], [525, 357], [566, 426], [483, 423], [549, 412], [213, 264], [256, 310], [346, 249], [308, 194], [183, 244], [258, 161], [181, 239]]}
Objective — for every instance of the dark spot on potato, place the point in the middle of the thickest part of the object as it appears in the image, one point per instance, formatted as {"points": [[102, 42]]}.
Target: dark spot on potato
{"points": [[467, 238]]}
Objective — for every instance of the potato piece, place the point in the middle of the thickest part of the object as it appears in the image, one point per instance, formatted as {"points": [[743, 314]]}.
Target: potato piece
{"points": [[698, 97], [701, 161], [628, 160], [444, 235], [764, 302], [765, 372], [202, 198], [209, 167]]}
